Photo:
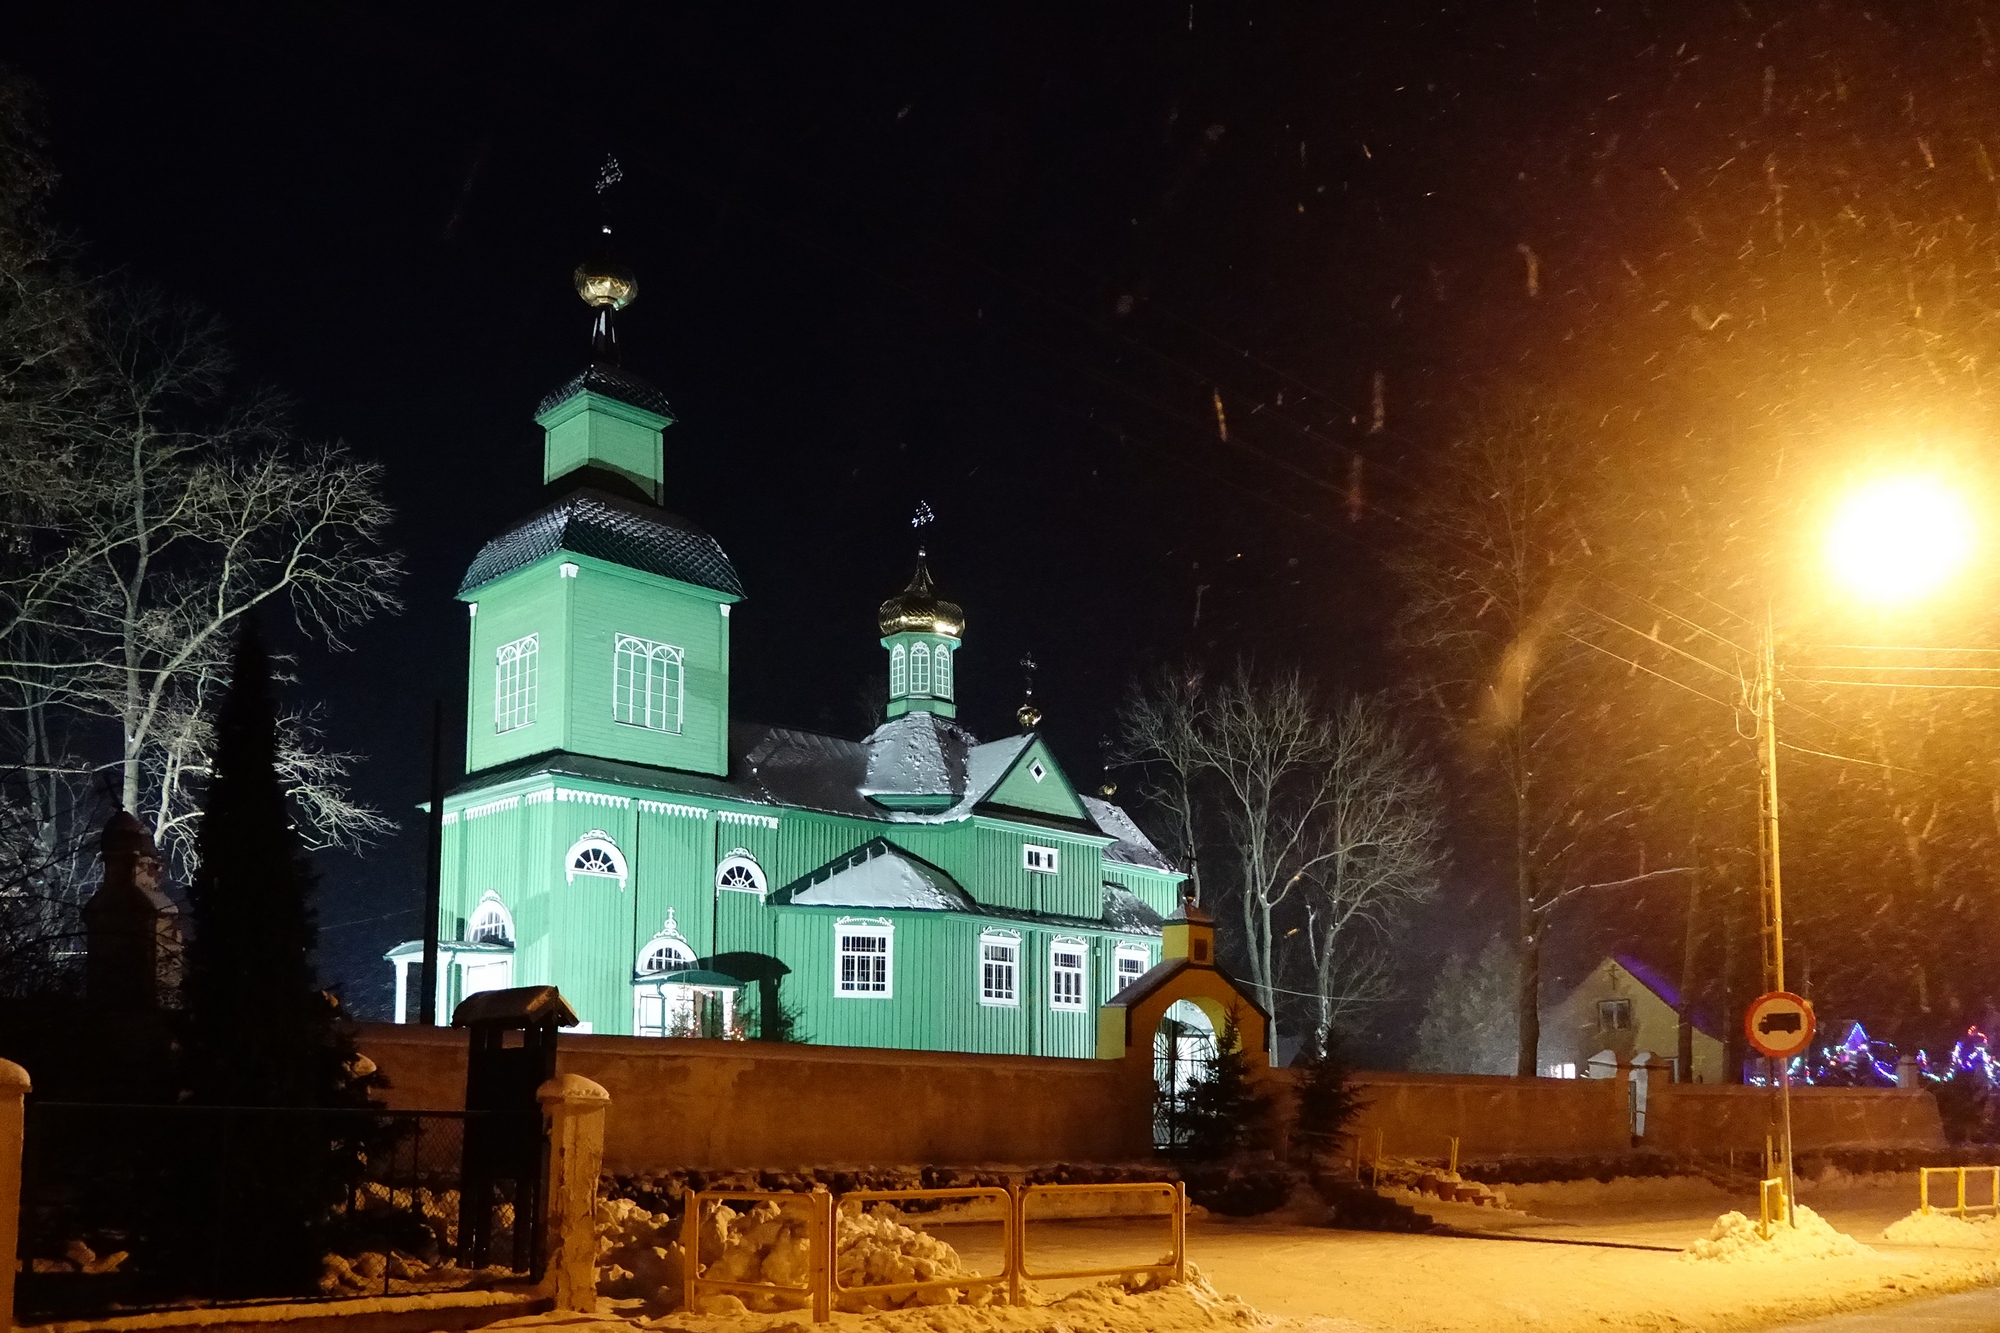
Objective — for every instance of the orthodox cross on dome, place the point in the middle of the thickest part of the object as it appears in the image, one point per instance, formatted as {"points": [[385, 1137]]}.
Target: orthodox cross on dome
{"points": [[605, 284], [1028, 714]]}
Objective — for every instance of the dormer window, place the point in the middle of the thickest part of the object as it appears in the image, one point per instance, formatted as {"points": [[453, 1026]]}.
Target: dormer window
{"points": [[1041, 860]]}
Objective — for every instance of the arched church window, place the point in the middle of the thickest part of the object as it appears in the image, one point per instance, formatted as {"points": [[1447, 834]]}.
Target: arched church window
{"points": [[668, 951], [920, 669], [491, 923], [899, 679], [941, 672], [739, 871], [515, 682], [646, 684], [595, 854]]}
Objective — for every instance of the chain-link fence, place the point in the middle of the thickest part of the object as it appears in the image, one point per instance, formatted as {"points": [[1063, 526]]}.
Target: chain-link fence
{"points": [[139, 1207]]}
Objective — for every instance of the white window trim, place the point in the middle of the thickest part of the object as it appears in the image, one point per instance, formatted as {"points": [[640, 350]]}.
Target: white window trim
{"points": [[1011, 941], [899, 672], [650, 650], [600, 840], [920, 669], [1123, 952], [740, 859], [527, 658], [1048, 856], [490, 902], [848, 927], [941, 666], [1066, 944]]}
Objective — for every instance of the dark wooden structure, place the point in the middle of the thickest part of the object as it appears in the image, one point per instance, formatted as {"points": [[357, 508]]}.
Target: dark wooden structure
{"points": [[506, 1162]]}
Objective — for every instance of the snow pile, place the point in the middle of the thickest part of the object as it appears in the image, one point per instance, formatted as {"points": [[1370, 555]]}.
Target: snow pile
{"points": [[1734, 1238], [638, 1254], [874, 1249], [80, 1258], [1921, 1228]]}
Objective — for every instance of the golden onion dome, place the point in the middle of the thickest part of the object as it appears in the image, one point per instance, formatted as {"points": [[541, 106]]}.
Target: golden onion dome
{"points": [[918, 609], [604, 282]]}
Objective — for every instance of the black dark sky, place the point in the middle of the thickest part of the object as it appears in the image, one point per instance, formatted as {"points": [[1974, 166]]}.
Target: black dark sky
{"points": [[999, 258]]}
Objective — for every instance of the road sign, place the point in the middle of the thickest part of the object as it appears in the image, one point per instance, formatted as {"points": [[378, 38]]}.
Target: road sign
{"points": [[1779, 1024]]}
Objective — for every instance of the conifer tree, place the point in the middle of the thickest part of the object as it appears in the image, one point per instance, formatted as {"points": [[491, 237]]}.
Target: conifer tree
{"points": [[1223, 1113], [260, 1031], [1327, 1103]]}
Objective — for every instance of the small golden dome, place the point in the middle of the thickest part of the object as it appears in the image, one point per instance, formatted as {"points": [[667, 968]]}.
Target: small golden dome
{"points": [[602, 281], [918, 609]]}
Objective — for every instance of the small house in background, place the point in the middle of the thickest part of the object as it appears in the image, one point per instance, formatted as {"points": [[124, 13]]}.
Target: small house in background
{"points": [[1624, 1013]]}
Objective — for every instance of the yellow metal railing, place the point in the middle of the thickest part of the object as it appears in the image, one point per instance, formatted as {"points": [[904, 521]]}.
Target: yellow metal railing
{"points": [[1766, 1213], [1961, 1208], [823, 1283]]}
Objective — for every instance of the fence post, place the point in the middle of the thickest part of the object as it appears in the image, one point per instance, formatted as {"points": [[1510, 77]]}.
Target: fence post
{"points": [[575, 1109], [14, 1085]]}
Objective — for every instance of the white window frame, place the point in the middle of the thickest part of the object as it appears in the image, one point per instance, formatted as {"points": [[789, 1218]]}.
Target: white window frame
{"points": [[1041, 860], [669, 939], [491, 911], [516, 683], [1069, 986], [734, 867], [596, 840], [846, 986], [635, 700], [941, 671], [1124, 954], [899, 672], [920, 669], [990, 995]]}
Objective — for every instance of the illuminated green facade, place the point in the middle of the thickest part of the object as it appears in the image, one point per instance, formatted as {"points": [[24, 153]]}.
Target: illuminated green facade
{"points": [[679, 872]]}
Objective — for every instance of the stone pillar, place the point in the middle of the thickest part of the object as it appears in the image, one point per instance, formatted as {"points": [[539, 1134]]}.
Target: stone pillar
{"points": [[575, 1108], [13, 1087]]}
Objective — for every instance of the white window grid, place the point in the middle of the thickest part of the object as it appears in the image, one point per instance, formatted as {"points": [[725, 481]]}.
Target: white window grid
{"points": [[864, 962], [595, 854], [1041, 860], [941, 672], [1131, 963], [899, 672], [516, 682], [740, 873], [1067, 973], [665, 956], [646, 683], [999, 970], [920, 669], [491, 923]]}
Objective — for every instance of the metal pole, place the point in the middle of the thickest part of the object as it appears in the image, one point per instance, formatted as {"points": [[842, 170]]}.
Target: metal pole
{"points": [[433, 873], [1774, 898]]}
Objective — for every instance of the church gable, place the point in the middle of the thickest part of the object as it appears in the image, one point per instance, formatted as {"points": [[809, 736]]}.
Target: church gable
{"points": [[1034, 782]]}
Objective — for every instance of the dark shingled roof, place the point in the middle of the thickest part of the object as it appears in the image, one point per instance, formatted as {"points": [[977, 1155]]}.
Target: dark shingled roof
{"points": [[625, 532], [612, 382]]}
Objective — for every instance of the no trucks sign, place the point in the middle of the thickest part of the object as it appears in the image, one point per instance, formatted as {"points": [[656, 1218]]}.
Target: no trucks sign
{"points": [[1779, 1024]]}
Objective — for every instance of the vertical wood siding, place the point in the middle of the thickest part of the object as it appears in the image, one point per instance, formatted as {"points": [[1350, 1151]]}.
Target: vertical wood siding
{"points": [[527, 601], [609, 601]]}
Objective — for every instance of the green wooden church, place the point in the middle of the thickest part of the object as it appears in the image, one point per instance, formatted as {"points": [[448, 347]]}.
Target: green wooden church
{"points": [[679, 871]]}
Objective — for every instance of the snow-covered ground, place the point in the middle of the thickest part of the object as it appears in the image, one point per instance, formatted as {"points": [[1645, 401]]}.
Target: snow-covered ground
{"points": [[1558, 1259]]}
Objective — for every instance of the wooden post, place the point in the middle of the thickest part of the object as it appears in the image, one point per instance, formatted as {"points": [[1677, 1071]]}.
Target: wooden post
{"points": [[14, 1086], [575, 1108], [821, 1251]]}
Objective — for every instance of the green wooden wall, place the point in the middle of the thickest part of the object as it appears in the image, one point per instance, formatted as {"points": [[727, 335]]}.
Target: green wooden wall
{"points": [[532, 600]]}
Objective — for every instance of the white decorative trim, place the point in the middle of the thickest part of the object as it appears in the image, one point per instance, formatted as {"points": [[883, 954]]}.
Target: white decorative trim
{"points": [[669, 808], [492, 908], [724, 608], [1011, 940], [857, 987], [491, 807], [577, 797], [1061, 996], [755, 821], [450, 818], [472, 608], [568, 569], [1041, 860]]}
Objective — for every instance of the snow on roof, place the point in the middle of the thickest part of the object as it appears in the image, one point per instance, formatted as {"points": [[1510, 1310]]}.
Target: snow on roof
{"points": [[1129, 844], [917, 754], [878, 875], [1125, 910], [610, 527]]}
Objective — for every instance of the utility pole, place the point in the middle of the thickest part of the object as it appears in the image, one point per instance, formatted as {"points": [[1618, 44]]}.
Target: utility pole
{"points": [[433, 874], [1773, 905]]}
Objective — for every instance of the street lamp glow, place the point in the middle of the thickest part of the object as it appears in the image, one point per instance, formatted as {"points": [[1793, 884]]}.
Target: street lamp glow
{"points": [[1900, 538]]}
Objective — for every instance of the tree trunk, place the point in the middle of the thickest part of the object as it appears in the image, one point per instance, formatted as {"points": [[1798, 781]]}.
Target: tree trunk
{"points": [[1690, 947], [1528, 1002], [1526, 1066]]}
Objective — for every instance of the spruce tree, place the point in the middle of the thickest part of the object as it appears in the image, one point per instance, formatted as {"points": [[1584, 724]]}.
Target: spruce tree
{"points": [[260, 1031], [1327, 1103], [1223, 1113]]}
